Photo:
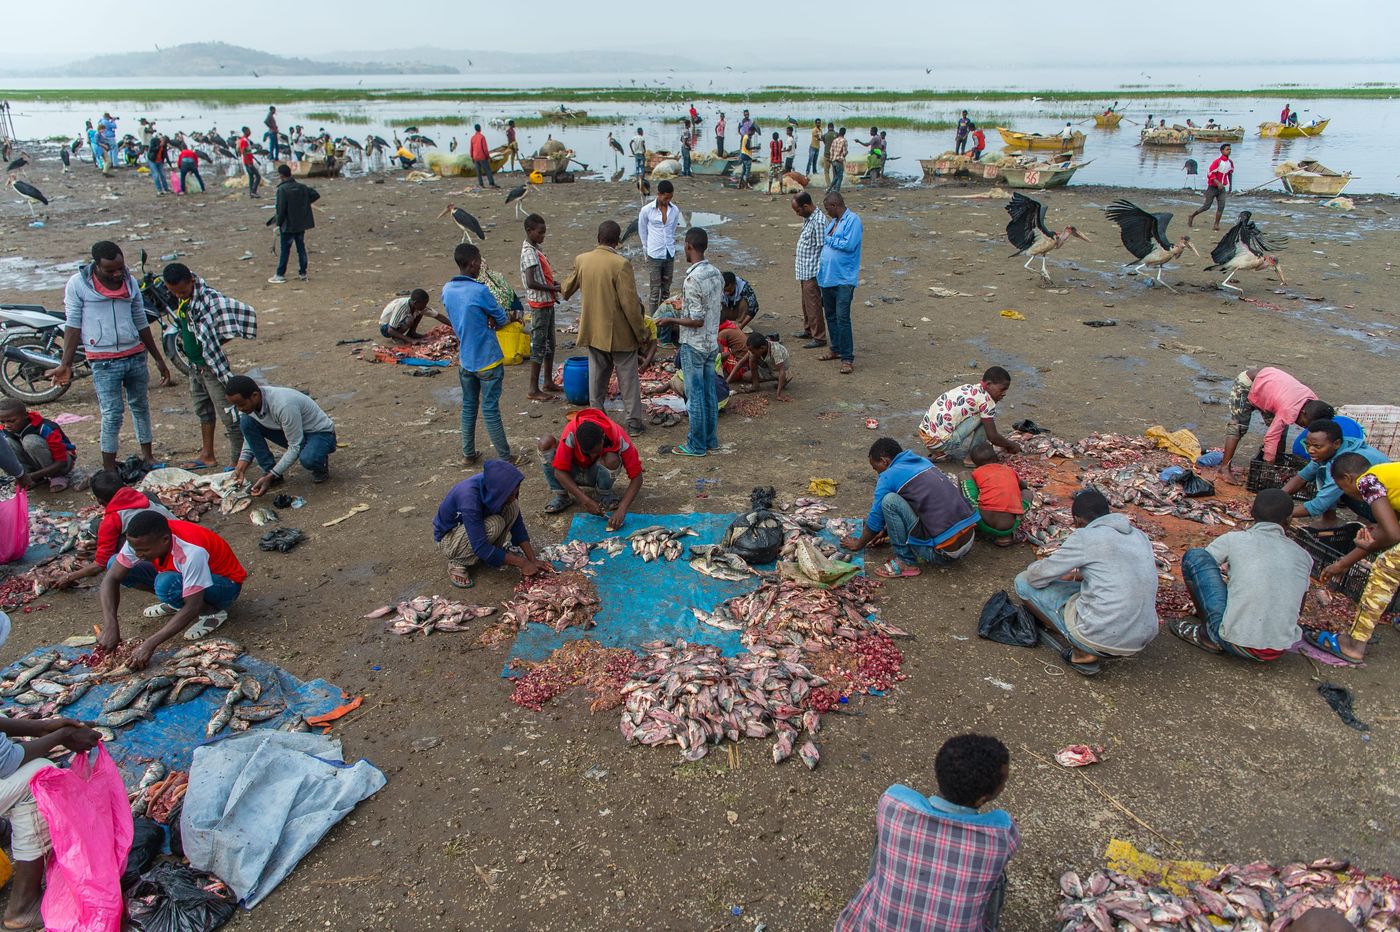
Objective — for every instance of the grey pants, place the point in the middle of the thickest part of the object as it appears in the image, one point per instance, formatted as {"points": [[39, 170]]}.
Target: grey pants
{"points": [[207, 394], [33, 453], [601, 365], [457, 546]]}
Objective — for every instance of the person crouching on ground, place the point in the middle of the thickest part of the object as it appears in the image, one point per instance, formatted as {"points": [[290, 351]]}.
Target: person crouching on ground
{"points": [[756, 360], [739, 304], [919, 508], [479, 518], [120, 503], [401, 317], [39, 444], [962, 417], [284, 417], [1099, 589], [1255, 614], [939, 862], [589, 448], [999, 495], [192, 571], [1379, 487], [1324, 442]]}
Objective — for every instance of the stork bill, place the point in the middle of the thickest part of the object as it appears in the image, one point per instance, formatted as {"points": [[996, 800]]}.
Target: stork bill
{"points": [[1145, 236], [468, 224]]}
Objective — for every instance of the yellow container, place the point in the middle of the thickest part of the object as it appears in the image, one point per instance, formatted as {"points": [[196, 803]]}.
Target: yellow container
{"points": [[6, 869], [515, 343]]}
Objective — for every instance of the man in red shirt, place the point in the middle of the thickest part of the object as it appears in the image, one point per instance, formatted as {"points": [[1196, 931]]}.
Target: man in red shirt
{"points": [[1219, 179], [245, 152], [189, 568], [586, 452], [775, 163], [120, 504], [481, 157], [979, 143]]}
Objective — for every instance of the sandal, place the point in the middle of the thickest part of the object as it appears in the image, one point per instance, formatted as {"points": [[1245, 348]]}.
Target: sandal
{"points": [[895, 570], [1327, 642], [1066, 653], [461, 579], [159, 610], [1194, 633], [195, 465], [205, 625], [827, 357], [683, 450], [847, 368], [558, 503]]}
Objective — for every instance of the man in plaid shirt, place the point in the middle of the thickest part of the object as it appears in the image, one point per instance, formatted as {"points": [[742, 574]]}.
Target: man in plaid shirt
{"points": [[809, 253], [939, 864], [207, 320]]}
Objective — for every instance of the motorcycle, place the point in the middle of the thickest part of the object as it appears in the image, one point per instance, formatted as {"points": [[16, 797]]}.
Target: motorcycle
{"points": [[31, 342]]}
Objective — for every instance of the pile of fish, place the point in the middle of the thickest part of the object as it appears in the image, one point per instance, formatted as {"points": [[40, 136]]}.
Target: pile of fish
{"points": [[786, 613], [693, 696], [190, 501], [45, 575], [659, 543], [560, 600], [1255, 896], [236, 497], [62, 531], [602, 671], [573, 554], [427, 614], [719, 562], [749, 405], [160, 792], [438, 343]]}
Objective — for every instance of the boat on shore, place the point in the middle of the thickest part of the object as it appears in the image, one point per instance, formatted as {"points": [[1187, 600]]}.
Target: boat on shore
{"points": [[1272, 130], [1309, 176], [1108, 120], [1219, 134], [1036, 141], [961, 168], [1040, 175]]}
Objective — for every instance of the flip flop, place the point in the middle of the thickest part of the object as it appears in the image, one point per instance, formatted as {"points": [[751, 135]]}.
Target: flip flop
{"points": [[195, 465], [1327, 642], [847, 368], [457, 580], [895, 570], [683, 450], [1083, 669]]}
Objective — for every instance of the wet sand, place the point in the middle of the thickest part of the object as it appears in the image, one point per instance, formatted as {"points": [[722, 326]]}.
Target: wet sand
{"points": [[498, 827]]}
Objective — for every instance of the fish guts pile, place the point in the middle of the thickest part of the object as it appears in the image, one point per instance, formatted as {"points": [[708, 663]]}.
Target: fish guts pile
{"points": [[560, 600], [603, 671], [1254, 896], [428, 614]]}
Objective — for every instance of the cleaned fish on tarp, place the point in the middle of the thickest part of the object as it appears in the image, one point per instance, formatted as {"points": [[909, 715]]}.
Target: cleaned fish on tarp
{"points": [[36, 667], [124, 695], [714, 560], [120, 717], [724, 623]]}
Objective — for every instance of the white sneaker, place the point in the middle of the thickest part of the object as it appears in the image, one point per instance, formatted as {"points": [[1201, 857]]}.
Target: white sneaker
{"points": [[277, 280]]}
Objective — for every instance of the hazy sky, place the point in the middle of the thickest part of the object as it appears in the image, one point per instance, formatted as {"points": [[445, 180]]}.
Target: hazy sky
{"points": [[1080, 31]]}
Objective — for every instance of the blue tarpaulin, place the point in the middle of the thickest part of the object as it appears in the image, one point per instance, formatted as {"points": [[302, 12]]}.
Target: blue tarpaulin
{"points": [[175, 731], [644, 602]]}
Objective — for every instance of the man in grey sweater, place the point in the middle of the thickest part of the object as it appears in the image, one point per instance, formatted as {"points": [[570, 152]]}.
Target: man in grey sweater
{"points": [[287, 418], [1099, 590]]}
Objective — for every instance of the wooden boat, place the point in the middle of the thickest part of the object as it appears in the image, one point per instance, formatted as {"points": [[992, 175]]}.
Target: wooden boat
{"points": [[318, 166], [1107, 120], [1036, 141], [548, 164], [563, 116], [458, 165], [1273, 130], [960, 167], [1166, 136], [712, 165], [1040, 176], [1219, 134], [1312, 177]]}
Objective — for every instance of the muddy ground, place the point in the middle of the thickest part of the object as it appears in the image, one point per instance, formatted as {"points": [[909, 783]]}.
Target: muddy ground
{"points": [[547, 821]]}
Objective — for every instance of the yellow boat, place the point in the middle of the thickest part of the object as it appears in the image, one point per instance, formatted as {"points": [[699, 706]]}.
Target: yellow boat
{"points": [[1279, 131], [1108, 120], [1310, 176], [1036, 141]]}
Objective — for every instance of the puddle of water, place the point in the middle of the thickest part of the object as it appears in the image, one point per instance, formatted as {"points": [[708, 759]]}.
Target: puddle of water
{"points": [[1206, 385], [701, 218], [20, 274], [1023, 373]]}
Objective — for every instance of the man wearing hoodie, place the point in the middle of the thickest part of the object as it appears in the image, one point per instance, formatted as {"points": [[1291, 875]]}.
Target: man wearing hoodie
{"points": [[1099, 589], [919, 508], [120, 503], [479, 519], [1325, 441], [104, 308]]}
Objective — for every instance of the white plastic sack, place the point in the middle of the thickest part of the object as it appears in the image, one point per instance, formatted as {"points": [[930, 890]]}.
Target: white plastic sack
{"points": [[259, 801]]}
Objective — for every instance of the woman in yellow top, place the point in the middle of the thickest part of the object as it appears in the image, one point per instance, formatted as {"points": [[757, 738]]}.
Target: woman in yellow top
{"points": [[1379, 487]]}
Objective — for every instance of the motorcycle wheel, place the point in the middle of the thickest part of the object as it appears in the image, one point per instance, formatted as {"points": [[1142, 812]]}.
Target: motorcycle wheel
{"points": [[176, 353], [26, 381]]}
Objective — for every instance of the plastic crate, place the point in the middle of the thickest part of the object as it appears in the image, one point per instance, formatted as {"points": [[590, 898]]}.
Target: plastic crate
{"points": [[1327, 545], [1381, 423], [1265, 475]]}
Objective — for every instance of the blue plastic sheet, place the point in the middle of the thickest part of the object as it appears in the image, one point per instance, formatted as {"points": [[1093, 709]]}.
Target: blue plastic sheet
{"points": [[175, 731], [641, 601]]}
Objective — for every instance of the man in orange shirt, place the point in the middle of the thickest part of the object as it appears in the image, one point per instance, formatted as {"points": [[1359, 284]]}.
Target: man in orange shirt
{"points": [[481, 157], [589, 448]]}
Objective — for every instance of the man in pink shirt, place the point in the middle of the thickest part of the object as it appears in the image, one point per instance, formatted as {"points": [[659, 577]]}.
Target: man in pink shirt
{"points": [[1280, 399]]}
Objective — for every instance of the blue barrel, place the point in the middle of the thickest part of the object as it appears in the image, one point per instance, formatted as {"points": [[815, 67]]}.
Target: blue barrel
{"points": [[576, 380]]}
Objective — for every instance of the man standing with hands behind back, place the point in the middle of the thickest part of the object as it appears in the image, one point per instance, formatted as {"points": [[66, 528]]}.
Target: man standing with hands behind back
{"points": [[809, 251], [293, 217], [656, 227]]}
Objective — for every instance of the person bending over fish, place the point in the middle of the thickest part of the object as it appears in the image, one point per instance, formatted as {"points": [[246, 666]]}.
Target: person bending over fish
{"points": [[479, 518], [191, 570], [585, 454]]}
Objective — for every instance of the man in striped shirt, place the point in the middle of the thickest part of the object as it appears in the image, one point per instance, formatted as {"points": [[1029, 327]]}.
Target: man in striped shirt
{"points": [[839, 148], [809, 252]]}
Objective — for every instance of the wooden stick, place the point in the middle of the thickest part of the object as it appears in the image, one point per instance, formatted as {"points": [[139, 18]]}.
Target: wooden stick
{"points": [[1106, 795]]}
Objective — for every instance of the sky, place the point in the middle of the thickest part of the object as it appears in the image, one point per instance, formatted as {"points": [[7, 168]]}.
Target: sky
{"points": [[1084, 30]]}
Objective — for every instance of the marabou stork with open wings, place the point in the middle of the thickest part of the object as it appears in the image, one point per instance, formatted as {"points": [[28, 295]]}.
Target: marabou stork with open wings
{"points": [[28, 193], [1145, 235], [1243, 249], [468, 224], [1028, 233]]}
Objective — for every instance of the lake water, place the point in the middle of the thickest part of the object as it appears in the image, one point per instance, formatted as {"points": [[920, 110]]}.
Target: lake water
{"points": [[1356, 140]]}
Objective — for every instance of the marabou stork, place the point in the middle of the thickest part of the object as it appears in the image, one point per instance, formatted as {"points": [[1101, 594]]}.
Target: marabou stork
{"points": [[628, 233], [1028, 233], [75, 145], [1145, 235], [517, 194], [28, 193], [643, 188], [16, 164], [616, 147], [1243, 249], [468, 224], [65, 157], [452, 146]]}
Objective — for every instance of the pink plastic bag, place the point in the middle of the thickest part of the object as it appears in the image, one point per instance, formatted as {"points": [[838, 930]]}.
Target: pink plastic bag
{"points": [[90, 825], [174, 181], [14, 527]]}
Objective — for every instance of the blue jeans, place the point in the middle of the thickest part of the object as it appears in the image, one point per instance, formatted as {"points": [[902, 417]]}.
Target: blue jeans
{"points": [[118, 383], [1209, 591], [169, 586], [900, 522], [316, 448], [836, 307], [1051, 601], [641, 164], [254, 178], [272, 144], [484, 174], [745, 165], [287, 240], [190, 167], [158, 176], [594, 477], [700, 402], [483, 390], [685, 161], [838, 172], [812, 153]]}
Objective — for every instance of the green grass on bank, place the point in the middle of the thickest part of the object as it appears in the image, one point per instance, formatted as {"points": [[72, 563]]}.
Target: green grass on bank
{"points": [[556, 95], [335, 116]]}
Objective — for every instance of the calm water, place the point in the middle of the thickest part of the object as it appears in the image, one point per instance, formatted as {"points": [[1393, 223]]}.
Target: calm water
{"points": [[1357, 139]]}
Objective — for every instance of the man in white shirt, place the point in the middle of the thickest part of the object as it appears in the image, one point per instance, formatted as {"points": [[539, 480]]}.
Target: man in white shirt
{"points": [[639, 152], [656, 228]]}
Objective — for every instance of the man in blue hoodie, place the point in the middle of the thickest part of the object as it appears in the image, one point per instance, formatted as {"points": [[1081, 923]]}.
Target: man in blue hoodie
{"points": [[103, 303], [479, 518], [920, 509], [1325, 440]]}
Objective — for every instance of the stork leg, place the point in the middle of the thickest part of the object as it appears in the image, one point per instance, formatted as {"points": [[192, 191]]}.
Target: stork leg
{"points": [[1226, 284], [30, 204], [1162, 283], [1044, 273], [1027, 266]]}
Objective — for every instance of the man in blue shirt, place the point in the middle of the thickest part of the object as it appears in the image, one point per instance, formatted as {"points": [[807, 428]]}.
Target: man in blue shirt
{"points": [[475, 315], [838, 273], [1324, 440]]}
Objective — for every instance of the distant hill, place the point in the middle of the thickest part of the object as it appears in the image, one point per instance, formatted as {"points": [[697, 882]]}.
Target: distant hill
{"points": [[217, 59], [468, 61]]}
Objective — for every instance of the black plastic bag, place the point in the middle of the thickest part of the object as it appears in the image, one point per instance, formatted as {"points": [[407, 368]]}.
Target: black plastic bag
{"points": [[1339, 698], [757, 537], [1194, 486], [1006, 622], [147, 841], [171, 897]]}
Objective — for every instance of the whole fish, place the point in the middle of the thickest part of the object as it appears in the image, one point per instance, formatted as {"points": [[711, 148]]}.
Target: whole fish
{"points": [[151, 699], [223, 715], [810, 755], [73, 693], [714, 560], [105, 733], [222, 678], [124, 695], [27, 674], [188, 687], [262, 516], [723, 621], [250, 688], [258, 713], [120, 717], [46, 688]]}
